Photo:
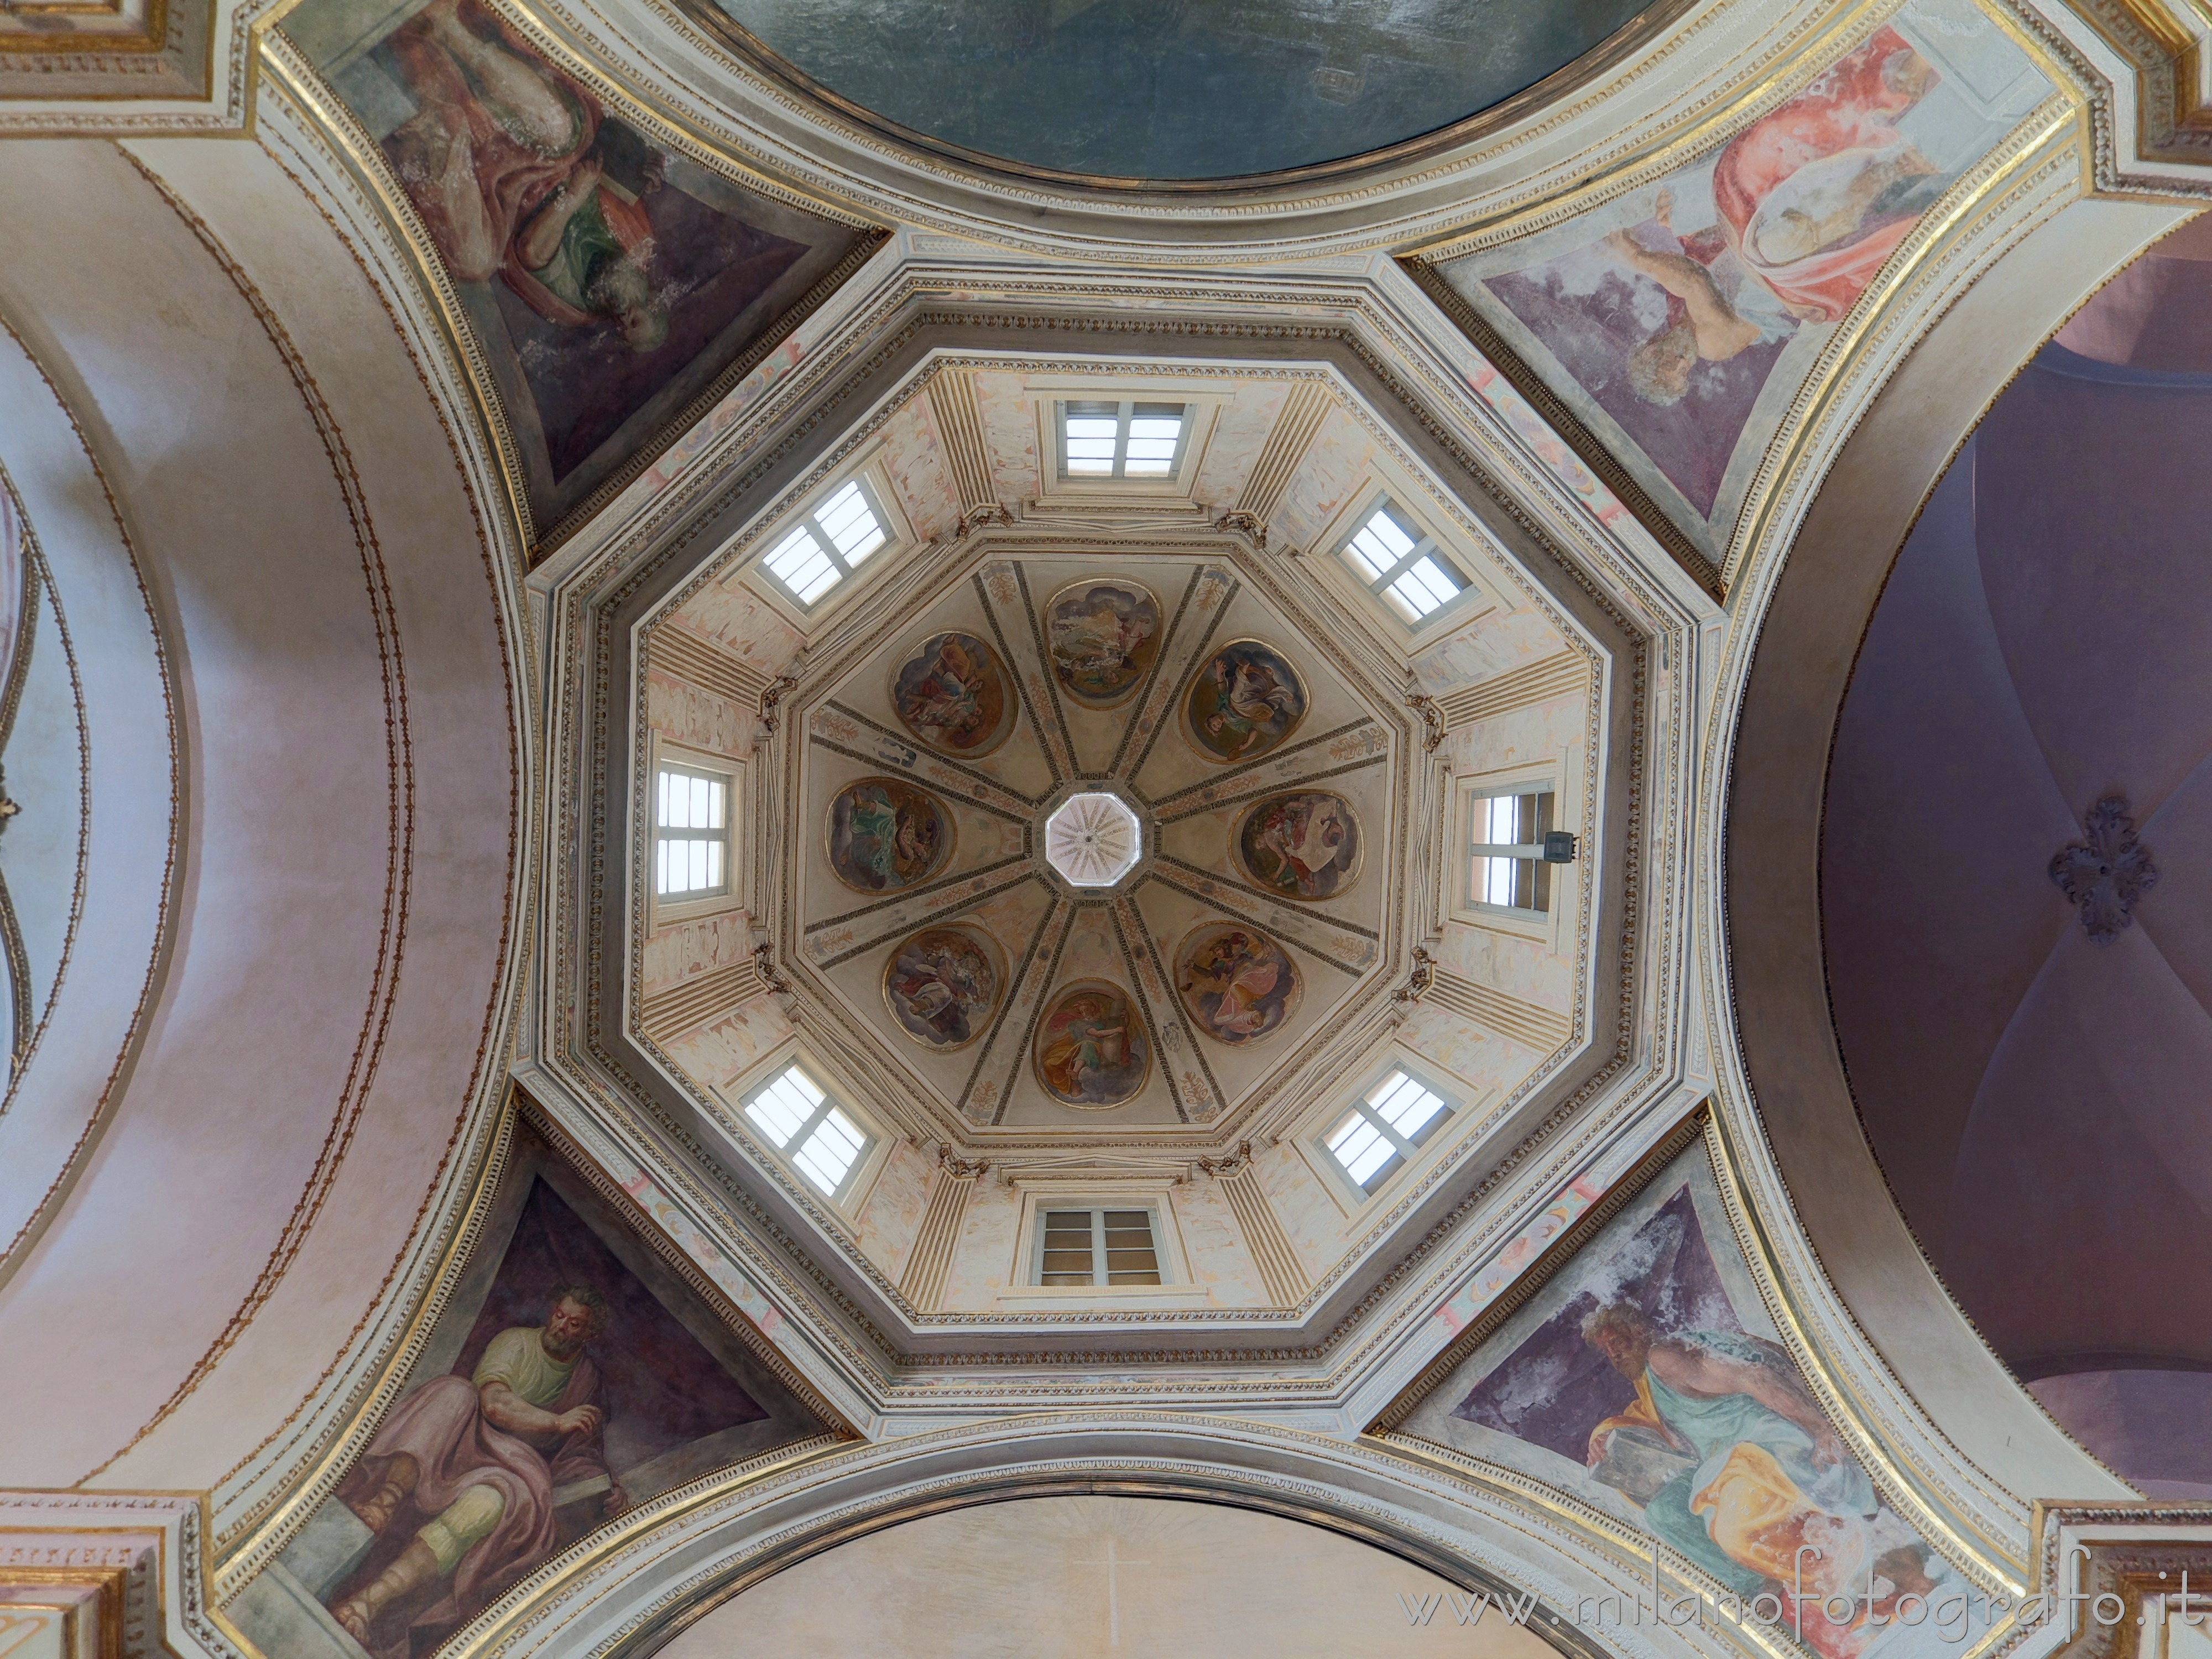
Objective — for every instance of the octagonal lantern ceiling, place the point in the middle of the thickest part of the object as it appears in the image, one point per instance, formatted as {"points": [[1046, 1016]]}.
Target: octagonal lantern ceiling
{"points": [[1094, 832]]}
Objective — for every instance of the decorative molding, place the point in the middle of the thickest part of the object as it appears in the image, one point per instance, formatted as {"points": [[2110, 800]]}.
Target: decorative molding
{"points": [[699, 1000], [2106, 872], [1539, 1028], [1302, 412], [1420, 981], [680, 653], [935, 1242], [120, 1571], [2114, 1574], [1281, 1270], [960, 428], [771, 703], [1563, 675]]}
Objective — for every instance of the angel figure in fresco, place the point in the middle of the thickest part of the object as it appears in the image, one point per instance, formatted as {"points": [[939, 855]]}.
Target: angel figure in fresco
{"points": [[1096, 647], [470, 1463], [1812, 200], [938, 981], [1253, 701], [949, 696], [1304, 838], [1091, 1044], [1232, 979], [1769, 1474], [891, 845], [502, 160]]}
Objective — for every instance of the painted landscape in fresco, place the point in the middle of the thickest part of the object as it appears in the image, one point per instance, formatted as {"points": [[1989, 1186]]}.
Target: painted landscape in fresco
{"points": [[956, 696], [1105, 638], [886, 834], [610, 283], [1244, 702], [573, 1375], [1239, 985], [1646, 1378], [1680, 321], [941, 985], [1092, 1050], [1303, 844]]}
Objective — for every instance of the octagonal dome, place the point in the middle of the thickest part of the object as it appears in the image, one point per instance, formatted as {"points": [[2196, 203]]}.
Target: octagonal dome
{"points": [[1093, 839]]}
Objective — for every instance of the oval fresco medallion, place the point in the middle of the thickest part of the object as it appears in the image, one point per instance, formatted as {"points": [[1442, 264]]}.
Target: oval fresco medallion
{"points": [[1092, 1051], [954, 696], [887, 833], [943, 984], [1103, 637], [1244, 701], [1236, 984], [1301, 845]]}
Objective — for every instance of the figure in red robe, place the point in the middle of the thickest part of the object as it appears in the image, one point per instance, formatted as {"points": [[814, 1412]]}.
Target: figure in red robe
{"points": [[500, 160], [1813, 199]]}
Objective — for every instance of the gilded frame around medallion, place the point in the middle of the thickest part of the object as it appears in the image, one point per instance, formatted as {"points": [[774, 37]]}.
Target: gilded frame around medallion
{"points": [[1088, 585], [1186, 727], [1238, 824], [290, 68], [1051, 1005], [938, 867], [1009, 717], [994, 955]]}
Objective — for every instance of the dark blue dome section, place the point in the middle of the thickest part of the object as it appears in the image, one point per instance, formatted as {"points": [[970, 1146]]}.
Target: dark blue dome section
{"points": [[1175, 90]]}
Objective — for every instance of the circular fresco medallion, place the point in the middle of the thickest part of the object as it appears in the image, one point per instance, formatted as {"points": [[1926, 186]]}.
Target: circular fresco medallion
{"points": [[1244, 701], [954, 696], [1092, 1051], [1301, 845], [1103, 638], [943, 984], [886, 833], [1236, 984]]}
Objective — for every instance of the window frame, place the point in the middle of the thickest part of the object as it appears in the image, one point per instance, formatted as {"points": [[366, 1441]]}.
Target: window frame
{"points": [[858, 1175], [750, 565], [661, 908], [1406, 1152], [1562, 773], [1126, 411], [1097, 1209], [1384, 502], [1531, 852], [808, 519]]}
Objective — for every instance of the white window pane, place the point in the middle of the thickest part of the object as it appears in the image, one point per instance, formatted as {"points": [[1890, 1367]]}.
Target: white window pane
{"points": [[1368, 556], [695, 811], [819, 581], [660, 786], [1503, 815], [830, 1151], [1137, 469], [1154, 449], [660, 868], [718, 799], [1169, 426], [839, 511], [794, 553], [1385, 1095], [1359, 1146], [781, 1110], [803, 1087], [1389, 534], [865, 540], [1408, 599], [1498, 881], [1409, 1107], [713, 864], [1093, 426], [1438, 579]]}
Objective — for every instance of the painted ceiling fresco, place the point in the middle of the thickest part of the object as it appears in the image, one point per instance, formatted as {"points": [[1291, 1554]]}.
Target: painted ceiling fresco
{"points": [[1169, 89], [1021, 993], [1678, 322], [574, 1375], [614, 286], [1646, 1378]]}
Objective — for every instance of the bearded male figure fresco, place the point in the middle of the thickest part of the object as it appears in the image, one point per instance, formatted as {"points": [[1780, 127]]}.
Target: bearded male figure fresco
{"points": [[470, 1463]]}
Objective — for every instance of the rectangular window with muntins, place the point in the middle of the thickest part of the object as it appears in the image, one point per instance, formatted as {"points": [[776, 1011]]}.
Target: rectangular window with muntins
{"points": [[801, 1121], [829, 543], [1125, 440], [1380, 1131], [1506, 868], [1096, 1247], [690, 832], [1402, 565]]}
